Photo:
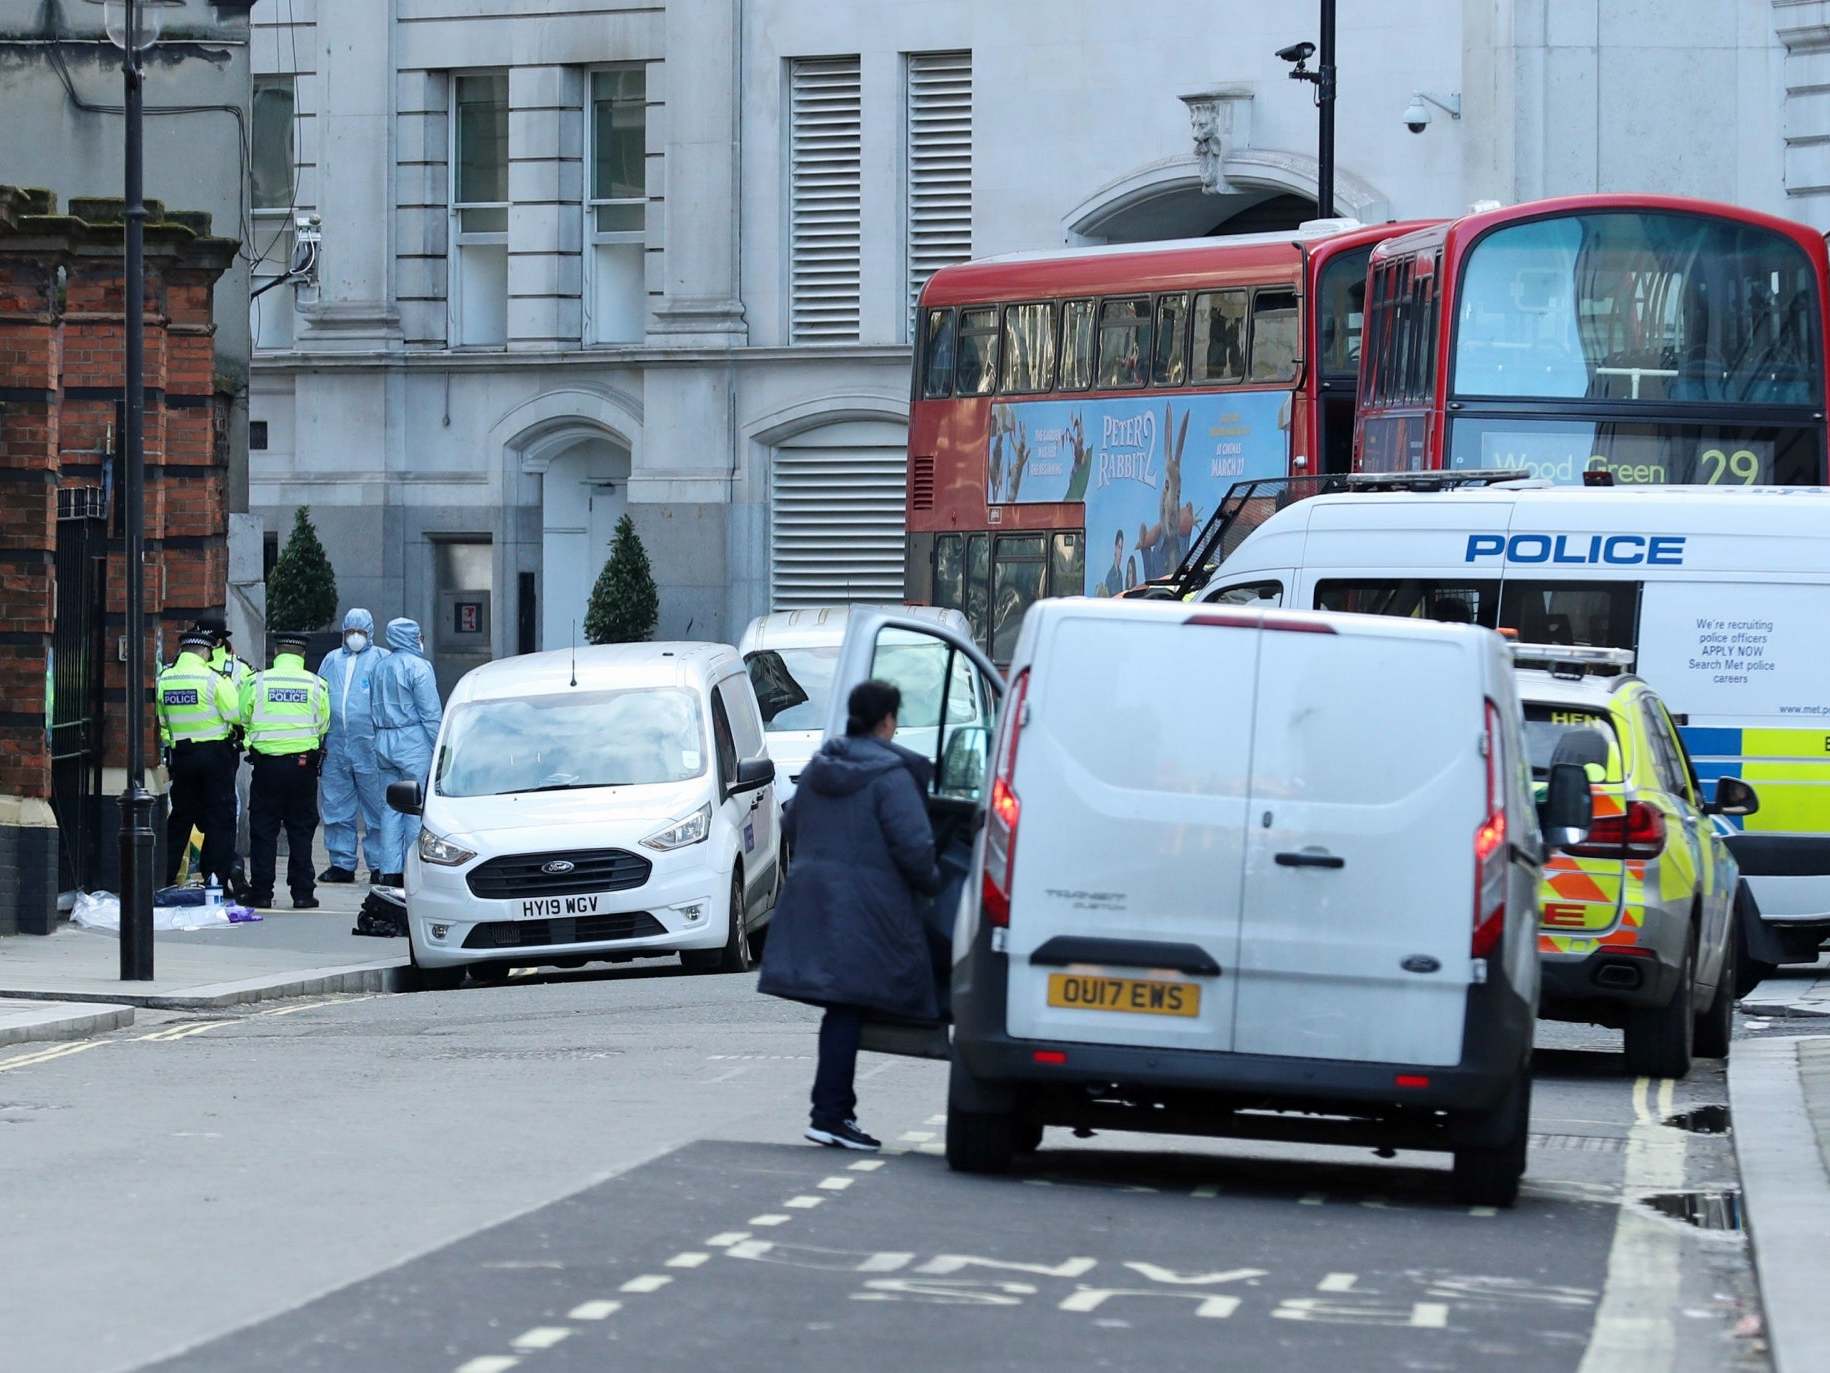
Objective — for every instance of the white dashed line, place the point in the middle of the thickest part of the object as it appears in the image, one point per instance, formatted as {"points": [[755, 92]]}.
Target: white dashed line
{"points": [[1312, 1199], [1205, 1192], [803, 1203], [726, 1239], [540, 1337], [1337, 1282], [769, 1220], [690, 1259], [1483, 1211], [594, 1310], [865, 1165], [836, 1184], [917, 1136], [648, 1282], [937, 1120], [931, 1148], [489, 1363]]}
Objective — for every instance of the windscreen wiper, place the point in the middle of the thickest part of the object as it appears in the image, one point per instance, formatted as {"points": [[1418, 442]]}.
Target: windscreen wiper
{"points": [[554, 786]]}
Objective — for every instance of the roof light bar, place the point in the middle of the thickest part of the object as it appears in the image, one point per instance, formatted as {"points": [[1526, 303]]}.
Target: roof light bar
{"points": [[1580, 656]]}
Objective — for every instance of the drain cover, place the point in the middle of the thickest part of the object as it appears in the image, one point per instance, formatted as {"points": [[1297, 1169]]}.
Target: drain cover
{"points": [[1705, 1210], [1701, 1120]]}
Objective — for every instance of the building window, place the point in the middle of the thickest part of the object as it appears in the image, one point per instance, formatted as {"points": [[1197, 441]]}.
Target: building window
{"points": [[273, 190], [825, 191], [939, 155], [616, 210], [479, 209], [257, 436]]}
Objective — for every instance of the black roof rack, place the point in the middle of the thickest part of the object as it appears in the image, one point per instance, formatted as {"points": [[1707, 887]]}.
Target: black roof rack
{"points": [[1248, 504]]}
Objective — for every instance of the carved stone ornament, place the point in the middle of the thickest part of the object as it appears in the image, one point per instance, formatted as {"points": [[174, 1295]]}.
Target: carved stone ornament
{"points": [[1221, 119]]}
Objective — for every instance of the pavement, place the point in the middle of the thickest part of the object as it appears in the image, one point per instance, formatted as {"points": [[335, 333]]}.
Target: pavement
{"points": [[1797, 990]]}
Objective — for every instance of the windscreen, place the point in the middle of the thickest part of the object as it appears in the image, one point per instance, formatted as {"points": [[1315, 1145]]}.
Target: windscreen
{"points": [[578, 739], [793, 686], [1548, 728]]}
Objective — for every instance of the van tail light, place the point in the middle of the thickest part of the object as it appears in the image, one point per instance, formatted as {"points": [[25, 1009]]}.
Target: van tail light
{"points": [[1640, 833], [1490, 857], [1005, 810]]}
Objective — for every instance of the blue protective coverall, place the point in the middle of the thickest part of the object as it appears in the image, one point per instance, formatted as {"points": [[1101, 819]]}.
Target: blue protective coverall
{"points": [[351, 778], [407, 715]]}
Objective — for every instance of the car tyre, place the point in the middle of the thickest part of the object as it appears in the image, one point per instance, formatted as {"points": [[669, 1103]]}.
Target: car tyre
{"points": [[1716, 1026], [1661, 1039], [424, 979], [736, 956], [1488, 1174], [980, 1141]]}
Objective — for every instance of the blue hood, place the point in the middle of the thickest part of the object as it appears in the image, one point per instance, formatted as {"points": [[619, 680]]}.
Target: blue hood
{"points": [[403, 636], [360, 619]]}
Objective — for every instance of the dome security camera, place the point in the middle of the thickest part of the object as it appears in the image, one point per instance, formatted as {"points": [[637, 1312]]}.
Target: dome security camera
{"points": [[1416, 115]]}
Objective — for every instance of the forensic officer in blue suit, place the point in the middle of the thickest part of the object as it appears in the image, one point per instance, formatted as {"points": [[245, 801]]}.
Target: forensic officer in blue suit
{"points": [[407, 715], [351, 779]]}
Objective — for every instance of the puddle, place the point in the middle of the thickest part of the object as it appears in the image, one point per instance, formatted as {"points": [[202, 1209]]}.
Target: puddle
{"points": [[1705, 1210], [1701, 1120]]}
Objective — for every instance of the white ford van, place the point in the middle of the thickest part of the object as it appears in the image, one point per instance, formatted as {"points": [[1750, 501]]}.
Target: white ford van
{"points": [[607, 803], [1211, 891], [1722, 593]]}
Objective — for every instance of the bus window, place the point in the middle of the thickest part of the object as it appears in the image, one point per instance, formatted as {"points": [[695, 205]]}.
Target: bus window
{"points": [[1029, 348], [1596, 614], [1219, 351], [1016, 584], [937, 354], [1171, 341], [1276, 336], [1076, 345], [1067, 565], [1343, 313], [950, 571], [1124, 342], [978, 351], [1453, 602], [978, 574]]}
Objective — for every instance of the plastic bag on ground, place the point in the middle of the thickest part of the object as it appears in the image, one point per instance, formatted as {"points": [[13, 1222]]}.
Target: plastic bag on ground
{"points": [[102, 911]]}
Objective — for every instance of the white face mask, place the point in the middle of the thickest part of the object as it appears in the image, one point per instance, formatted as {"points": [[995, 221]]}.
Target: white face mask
{"points": [[355, 641]]}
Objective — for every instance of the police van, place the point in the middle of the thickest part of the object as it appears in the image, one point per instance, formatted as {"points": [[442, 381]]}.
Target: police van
{"points": [[1722, 594]]}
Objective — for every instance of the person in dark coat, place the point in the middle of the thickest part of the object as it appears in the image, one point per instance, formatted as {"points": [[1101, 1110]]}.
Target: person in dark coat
{"points": [[847, 933]]}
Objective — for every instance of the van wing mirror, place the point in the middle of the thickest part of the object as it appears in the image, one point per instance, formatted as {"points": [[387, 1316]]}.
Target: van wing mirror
{"points": [[962, 766], [1733, 797], [406, 797], [1568, 808], [753, 774]]}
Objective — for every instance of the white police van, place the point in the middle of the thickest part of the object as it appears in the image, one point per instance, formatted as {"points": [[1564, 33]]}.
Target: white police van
{"points": [[1723, 594]]}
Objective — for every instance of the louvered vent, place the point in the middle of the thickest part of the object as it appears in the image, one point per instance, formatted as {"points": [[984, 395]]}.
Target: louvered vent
{"points": [[826, 190], [921, 483], [940, 164], [837, 526]]}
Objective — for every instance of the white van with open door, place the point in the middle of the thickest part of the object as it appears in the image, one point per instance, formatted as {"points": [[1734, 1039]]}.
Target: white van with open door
{"points": [[1211, 891]]}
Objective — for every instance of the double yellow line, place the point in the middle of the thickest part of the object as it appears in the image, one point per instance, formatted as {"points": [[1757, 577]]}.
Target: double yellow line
{"points": [[56, 1051]]}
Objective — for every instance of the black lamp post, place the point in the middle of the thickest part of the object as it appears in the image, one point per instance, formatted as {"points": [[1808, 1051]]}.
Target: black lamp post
{"points": [[1322, 78], [133, 27]]}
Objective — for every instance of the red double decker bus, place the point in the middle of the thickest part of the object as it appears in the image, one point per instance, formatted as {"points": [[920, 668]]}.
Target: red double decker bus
{"points": [[1651, 338], [1077, 416]]}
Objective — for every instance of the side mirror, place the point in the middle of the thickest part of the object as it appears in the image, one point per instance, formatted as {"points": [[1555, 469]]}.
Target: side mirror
{"points": [[1568, 808], [406, 797], [962, 765], [1733, 797], [753, 774]]}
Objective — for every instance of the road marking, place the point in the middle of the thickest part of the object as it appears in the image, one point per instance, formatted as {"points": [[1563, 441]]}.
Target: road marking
{"points": [[1633, 1329], [47, 1055], [1337, 1282], [1483, 1211], [727, 1239], [648, 1282], [931, 1148], [836, 1184], [489, 1363], [184, 1031], [1311, 1199], [937, 1120], [691, 1259], [594, 1310], [865, 1165], [1205, 1192], [727, 1075], [917, 1136], [803, 1203], [313, 1005], [769, 1220], [540, 1337]]}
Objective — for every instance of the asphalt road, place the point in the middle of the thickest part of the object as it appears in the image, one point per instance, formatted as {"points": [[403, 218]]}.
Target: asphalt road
{"points": [[602, 1170]]}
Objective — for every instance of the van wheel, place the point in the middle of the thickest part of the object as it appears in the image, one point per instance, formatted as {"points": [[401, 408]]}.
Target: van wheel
{"points": [[1029, 1136], [980, 1141], [1661, 1039], [423, 979], [1716, 1026], [735, 956], [1488, 1175]]}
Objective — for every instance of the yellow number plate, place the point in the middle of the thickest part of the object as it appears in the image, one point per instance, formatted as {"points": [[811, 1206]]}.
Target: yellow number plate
{"points": [[1080, 992]]}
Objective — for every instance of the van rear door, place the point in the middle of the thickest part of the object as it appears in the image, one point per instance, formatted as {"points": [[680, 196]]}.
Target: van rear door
{"points": [[1131, 772], [1368, 786]]}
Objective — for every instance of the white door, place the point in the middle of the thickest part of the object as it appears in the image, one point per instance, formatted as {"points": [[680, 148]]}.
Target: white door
{"points": [[761, 829], [1131, 775], [1367, 790], [583, 494]]}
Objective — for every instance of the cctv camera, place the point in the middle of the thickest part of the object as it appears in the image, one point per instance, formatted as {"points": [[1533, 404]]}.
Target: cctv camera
{"points": [[1416, 116], [1296, 52]]}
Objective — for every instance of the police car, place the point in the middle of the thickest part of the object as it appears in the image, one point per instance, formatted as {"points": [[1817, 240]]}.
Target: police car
{"points": [[1636, 923], [1722, 594]]}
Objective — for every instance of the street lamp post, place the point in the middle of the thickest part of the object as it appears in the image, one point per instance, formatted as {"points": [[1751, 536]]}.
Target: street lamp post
{"points": [[1322, 78], [133, 27]]}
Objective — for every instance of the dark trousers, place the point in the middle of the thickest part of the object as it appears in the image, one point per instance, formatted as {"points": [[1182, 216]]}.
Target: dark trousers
{"points": [[834, 1101], [203, 797], [284, 795]]}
